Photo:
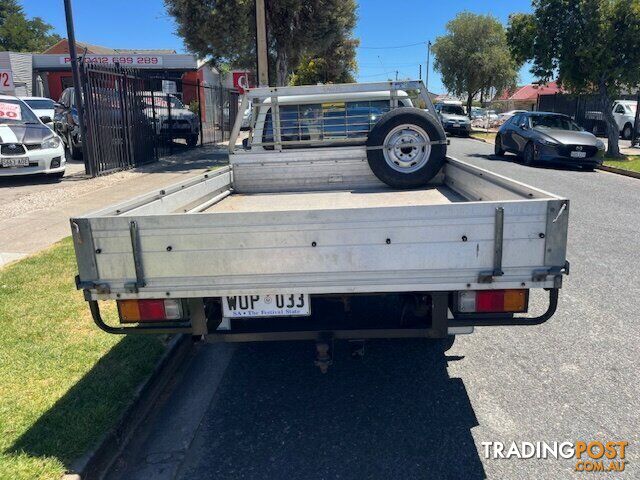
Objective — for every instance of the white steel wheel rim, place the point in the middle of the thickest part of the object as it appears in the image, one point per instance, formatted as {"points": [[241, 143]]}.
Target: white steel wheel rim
{"points": [[407, 148]]}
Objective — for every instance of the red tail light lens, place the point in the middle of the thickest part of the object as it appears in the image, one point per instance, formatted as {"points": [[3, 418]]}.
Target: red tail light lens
{"points": [[151, 309], [490, 301]]}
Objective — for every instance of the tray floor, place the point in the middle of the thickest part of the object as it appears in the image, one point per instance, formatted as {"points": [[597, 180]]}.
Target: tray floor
{"points": [[336, 199]]}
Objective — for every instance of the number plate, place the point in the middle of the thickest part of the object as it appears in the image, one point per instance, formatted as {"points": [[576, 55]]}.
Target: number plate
{"points": [[275, 305], [578, 154], [15, 162]]}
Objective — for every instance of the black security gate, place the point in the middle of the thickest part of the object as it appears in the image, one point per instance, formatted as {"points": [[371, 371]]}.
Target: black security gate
{"points": [[119, 132], [131, 120]]}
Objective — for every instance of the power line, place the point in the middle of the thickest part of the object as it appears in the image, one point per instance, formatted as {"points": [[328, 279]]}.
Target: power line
{"points": [[394, 46]]}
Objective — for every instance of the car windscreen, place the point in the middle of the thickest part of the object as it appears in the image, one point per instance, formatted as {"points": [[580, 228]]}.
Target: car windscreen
{"points": [[40, 104], [452, 110], [15, 112], [633, 108], [555, 122]]}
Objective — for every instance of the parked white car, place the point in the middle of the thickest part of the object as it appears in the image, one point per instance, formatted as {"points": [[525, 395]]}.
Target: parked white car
{"points": [[27, 145], [42, 107], [246, 118], [504, 116], [624, 111]]}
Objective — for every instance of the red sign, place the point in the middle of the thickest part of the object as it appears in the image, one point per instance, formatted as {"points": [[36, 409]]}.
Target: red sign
{"points": [[10, 110], [241, 81]]}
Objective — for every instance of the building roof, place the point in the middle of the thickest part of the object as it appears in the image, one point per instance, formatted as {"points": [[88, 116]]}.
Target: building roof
{"points": [[63, 47], [530, 92]]}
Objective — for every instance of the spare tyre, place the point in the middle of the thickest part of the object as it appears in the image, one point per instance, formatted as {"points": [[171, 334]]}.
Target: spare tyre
{"points": [[406, 148]]}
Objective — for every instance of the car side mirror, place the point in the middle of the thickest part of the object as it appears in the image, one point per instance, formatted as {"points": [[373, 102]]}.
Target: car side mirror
{"points": [[45, 119], [524, 126], [58, 105]]}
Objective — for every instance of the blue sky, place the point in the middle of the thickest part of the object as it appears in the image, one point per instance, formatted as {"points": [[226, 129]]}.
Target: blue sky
{"points": [[382, 23]]}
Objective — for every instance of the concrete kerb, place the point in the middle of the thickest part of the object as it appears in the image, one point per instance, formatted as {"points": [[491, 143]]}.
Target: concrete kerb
{"points": [[99, 459]]}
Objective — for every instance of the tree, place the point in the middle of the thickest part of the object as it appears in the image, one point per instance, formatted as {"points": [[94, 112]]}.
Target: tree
{"points": [[591, 46], [473, 56], [224, 30], [337, 64], [19, 34], [8, 7]]}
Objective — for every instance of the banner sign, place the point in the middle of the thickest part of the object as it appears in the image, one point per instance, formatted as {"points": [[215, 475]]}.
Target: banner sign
{"points": [[6, 81], [139, 61], [11, 111]]}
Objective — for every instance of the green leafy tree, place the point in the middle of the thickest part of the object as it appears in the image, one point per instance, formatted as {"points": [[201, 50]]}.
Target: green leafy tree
{"points": [[20, 34], [224, 30], [337, 64], [473, 56], [591, 46], [8, 7]]}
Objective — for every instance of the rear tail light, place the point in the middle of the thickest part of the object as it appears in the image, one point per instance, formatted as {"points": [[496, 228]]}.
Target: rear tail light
{"points": [[492, 301], [135, 311]]}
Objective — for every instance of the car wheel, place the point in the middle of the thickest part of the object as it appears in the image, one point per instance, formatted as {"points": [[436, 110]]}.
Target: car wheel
{"points": [[192, 140], [529, 155], [627, 132], [498, 150], [406, 148], [74, 151]]}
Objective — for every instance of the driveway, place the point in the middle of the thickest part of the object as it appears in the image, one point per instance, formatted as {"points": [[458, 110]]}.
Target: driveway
{"points": [[409, 410], [35, 211]]}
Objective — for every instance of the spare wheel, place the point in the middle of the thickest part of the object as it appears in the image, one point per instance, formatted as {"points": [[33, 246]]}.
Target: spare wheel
{"points": [[406, 148]]}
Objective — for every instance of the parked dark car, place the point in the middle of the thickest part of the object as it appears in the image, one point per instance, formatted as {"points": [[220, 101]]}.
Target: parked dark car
{"points": [[549, 137], [65, 122]]}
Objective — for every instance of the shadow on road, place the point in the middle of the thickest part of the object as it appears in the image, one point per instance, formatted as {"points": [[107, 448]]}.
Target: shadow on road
{"points": [[393, 414], [518, 160]]}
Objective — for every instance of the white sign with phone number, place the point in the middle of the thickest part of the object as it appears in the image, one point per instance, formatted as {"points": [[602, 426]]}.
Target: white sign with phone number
{"points": [[139, 61], [6, 81], [11, 111]]}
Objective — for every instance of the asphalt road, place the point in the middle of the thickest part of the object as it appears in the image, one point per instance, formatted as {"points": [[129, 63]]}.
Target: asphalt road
{"points": [[409, 410]]}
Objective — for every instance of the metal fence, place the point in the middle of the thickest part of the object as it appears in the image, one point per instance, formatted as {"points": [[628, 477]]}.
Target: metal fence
{"points": [[131, 120], [586, 110]]}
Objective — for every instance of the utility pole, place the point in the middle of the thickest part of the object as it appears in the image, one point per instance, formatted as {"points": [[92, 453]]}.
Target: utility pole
{"points": [[426, 81], [420, 72], [261, 44], [396, 75], [71, 39]]}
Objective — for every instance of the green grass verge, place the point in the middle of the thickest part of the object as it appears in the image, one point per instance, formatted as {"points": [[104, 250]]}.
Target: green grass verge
{"points": [[489, 136], [630, 162], [63, 382]]}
